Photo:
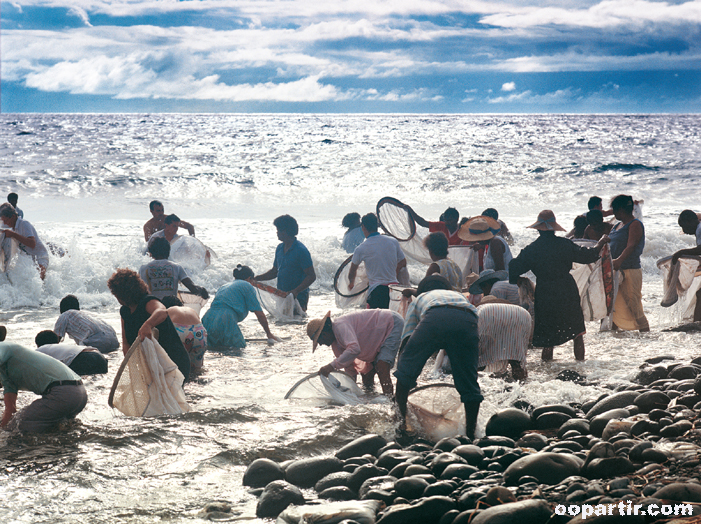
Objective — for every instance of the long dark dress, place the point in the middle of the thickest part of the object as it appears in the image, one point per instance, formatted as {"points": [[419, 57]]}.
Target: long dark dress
{"points": [[167, 335], [558, 313]]}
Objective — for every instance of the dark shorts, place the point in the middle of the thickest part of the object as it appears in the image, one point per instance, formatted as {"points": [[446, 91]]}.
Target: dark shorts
{"points": [[379, 298], [89, 363], [455, 331]]}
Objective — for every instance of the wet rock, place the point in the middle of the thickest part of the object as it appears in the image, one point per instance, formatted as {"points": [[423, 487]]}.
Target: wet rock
{"points": [[466, 517], [276, 497], [548, 468], [533, 440], [524, 512], [697, 385], [410, 487], [447, 444], [338, 493], [392, 457], [510, 422], [499, 495], [449, 517], [364, 473], [380, 494], [471, 453], [427, 511], [551, 420], [688, 400], [262, 472], [307, 472], [598, 423], [686, 492], [444, 460], [660, 358], [416, 469], [443, 487], [608, 467], [367, 444], [649, 375], [569, 375], [384, 483], [683, 372], [579, 424], [653, 455], [615, 427], [646, 402], [495, 441], [636, 452], [461, 471], [558, 408], [615, 401], [339, 478]]}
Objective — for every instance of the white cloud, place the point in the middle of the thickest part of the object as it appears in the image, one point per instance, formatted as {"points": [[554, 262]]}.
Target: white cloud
{"points": [[548, 99], [80, 13], [509, 86]]}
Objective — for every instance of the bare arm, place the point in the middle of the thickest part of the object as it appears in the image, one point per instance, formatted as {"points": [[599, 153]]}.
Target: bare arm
{"points": [[195, 290], [268, 275], [432, 269], [419, 220], [147, 231], [263, 321], [351, 275], [158, 313], [125, 344], [30, 242], [400, 265], [682, 252], [308, 280], [190, 228], [635, 234], [10, 408]]}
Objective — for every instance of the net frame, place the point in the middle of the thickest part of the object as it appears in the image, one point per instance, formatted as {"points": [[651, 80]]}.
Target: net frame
{"points": [[360, 278], [686, 290], [397, 203], [336, 373]]}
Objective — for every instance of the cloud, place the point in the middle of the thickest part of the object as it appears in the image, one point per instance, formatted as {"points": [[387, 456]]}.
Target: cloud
{"points": [[548, 99], [80, 13], [509, 86]]}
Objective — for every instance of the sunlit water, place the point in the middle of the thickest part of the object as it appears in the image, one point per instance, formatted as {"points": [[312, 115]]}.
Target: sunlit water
{"points": [[85, 181]]}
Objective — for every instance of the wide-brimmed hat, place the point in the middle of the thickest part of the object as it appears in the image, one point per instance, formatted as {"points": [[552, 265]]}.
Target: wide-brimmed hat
{"points": [[314, 329], [486, 276], [546, 222], [479, 228]]}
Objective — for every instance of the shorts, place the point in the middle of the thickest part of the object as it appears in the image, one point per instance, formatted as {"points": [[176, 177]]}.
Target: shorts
{"points": [[379, 297]]}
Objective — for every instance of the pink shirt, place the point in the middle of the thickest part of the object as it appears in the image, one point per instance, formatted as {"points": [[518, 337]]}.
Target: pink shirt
{"points": [[359, 336]]}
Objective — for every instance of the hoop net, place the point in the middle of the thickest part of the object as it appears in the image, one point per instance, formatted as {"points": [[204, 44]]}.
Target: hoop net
{"points": [[345, 297], [596, 283], [396, 221], [190, 253], [9, 253], [283, 306], [192, 301], [681, 283], [148, 383], [436, 411], [338, 388], [466, 258]]}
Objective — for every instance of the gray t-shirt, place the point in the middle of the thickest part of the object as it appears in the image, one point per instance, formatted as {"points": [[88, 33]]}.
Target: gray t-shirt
{"points": [[162, 277]]}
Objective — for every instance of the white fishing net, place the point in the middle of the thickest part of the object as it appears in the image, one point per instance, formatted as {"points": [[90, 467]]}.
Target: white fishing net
{"points": [[148, 383], [436, 411], [283, 306], [337, 388], [190, 253], [192, 301], [396, 221], [596, 283], [466, 258], [349, 298], [681, 283], [10, 251]]}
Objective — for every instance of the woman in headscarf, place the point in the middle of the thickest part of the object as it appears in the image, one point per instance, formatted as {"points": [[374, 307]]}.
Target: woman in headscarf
{"points": [[558, 313]]}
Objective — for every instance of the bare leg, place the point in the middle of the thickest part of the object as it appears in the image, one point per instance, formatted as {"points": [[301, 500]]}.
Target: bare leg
{"points": [[697, 309], [579, 348], [518, 372], [383, 369], [547, 354], [472, 409], [369, 379]]}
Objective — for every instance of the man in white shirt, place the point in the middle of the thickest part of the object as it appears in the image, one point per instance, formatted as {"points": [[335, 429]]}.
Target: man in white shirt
{"points": [[81, 359], [84, 328], [383, 258], [26, 235]]}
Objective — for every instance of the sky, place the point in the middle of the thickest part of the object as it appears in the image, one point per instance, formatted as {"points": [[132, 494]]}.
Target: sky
{"points": [[365, 56]]}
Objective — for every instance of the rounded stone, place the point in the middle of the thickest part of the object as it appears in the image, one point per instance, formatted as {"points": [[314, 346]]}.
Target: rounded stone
{"points": [[307, 472], [683, 372], [447, 444], [363, 473], [367, 444], [471, 453], [332, 480], [559, 408], [337, 493], [410, 488], [262, 472], [510, 422], [384, 483], [460, 471], [551, 420], [614, 401], [652, 400], [392, 457], [680, 492], [578, 424], [598, 423], [548, 468], [442, 461], [532, 440], [276, 497], [653, 455], [443, 487]]}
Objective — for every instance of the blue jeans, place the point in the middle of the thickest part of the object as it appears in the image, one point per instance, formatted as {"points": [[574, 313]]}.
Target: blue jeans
{"points": [[455, 331]]}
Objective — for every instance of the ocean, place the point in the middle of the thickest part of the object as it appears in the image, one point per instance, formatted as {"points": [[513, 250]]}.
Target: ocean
{"points": [[85, 181]]}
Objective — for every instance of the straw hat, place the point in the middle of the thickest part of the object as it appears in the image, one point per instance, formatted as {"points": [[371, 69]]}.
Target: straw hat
{"points": [[314, 329], [486, 276], [546, 222], [479, 228]]}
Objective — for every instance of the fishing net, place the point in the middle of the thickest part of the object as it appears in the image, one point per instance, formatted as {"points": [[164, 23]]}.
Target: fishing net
{"points": [[148, 383], [435, 411], [192, 301], [281, 305], [348, 298], [681, 283], [466, 258], [9, 253], [596, 283], [396, 221], [338, 387], [190, 253]]}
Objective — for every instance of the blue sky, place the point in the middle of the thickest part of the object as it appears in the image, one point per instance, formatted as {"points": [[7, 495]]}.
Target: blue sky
{"points": [[450, 56]]}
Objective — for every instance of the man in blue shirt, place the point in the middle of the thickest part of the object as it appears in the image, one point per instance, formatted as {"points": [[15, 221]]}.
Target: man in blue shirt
{"points": [[293, 265]]}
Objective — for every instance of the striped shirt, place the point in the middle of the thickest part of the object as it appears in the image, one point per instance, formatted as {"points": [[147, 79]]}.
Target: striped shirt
{"points": [[80, 325], [436, 298], [506, 291], [449, 270], [504, 331]]}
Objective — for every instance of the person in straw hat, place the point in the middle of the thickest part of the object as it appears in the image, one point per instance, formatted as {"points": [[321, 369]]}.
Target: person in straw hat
{"points": [[558, 313], [481, 232], [364, 342]]}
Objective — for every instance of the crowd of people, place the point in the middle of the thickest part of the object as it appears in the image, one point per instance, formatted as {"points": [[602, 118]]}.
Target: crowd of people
{"points": [[484, 320]]}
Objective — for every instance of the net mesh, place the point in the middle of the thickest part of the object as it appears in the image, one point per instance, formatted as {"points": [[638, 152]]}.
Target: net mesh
{"points": [[192, 301], [396, 221], [466, 258], [345, 297], [436, 411], [190, 253], [595, 283], [283, 306], [681, 282], [148, 383], [338, 388], [8, 256]]}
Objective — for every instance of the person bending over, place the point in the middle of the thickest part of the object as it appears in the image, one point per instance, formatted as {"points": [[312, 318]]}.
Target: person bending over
{"points": [[81, 359], [84, 328]]}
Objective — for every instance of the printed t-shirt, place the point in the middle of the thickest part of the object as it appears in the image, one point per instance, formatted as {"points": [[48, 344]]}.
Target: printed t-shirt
{"points": [[162, 277]]}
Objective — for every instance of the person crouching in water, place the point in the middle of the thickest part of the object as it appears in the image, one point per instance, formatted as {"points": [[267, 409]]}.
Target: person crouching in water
{"points": [[441, 318], [364, 342]]}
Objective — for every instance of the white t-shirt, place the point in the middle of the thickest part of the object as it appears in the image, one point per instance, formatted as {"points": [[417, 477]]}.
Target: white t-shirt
{"points": [[24, 228], [62, 352], [381, 255], [162, 277], [162, 234]]}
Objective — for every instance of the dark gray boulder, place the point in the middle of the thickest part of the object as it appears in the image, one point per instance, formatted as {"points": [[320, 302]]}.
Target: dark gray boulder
{"points": [[338, 493], [410, 487], [262, 472], [276, 497], [442, 461], [578, 424], [307, 472], [532, 511], [600, 468], [392, 457], [363, 473], [598, 423], [429, 510], [548, 468], [367, 444], [678, 492], [384, 483], [614, 401], [533, 440], [652, 400], [551, 420], [558, 408], [460, 471], [471, 453], [509, 422], [339, 478]]}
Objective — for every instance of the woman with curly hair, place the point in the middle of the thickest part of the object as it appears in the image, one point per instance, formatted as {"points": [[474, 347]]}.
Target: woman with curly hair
{"points": [[141, 313]]}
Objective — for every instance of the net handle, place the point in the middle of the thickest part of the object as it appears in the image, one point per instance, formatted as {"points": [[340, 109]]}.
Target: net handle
{"points": [[134, 347], [395, 202], [339, 271], [311, 375]]}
